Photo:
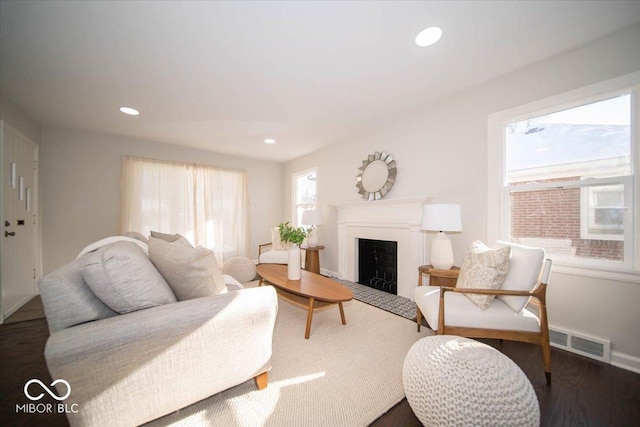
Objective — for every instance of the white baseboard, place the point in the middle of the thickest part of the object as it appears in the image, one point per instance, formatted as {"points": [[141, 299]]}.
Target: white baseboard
{"points": [[329, 273], [625, 361], [17, 307]]}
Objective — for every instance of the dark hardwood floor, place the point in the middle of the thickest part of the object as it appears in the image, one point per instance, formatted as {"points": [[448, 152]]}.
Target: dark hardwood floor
{"points": [[583, 393]]}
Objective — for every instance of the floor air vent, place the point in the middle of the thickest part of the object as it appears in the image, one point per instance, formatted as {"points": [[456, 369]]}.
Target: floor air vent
{"points": [[595, 348]]}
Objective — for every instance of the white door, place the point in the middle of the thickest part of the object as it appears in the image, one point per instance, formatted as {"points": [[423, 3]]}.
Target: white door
{"points": [[19, 250]]}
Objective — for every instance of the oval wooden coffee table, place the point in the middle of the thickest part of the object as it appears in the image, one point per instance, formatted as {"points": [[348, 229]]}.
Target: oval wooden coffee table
{"points": [[312, 291]]}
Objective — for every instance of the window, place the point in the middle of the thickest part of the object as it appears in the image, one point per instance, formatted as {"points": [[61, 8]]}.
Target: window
{"points": [[568, 178], [207, 205], [304, 193]]}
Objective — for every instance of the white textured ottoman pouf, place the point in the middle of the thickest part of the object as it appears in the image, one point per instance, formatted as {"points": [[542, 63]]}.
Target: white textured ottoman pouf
{"points": [[455, 381], [240, 268]]}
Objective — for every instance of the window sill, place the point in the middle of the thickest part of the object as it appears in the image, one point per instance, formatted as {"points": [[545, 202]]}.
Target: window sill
{"points": [[609, 273]]}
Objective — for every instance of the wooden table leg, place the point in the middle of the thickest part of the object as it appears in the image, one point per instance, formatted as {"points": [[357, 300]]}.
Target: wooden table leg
{"points": [[312, 261], [344, 321], [260, 282], [309, 317]]}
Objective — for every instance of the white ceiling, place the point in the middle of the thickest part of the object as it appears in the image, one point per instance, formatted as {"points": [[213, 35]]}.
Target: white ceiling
{"points": [[224, 76]]}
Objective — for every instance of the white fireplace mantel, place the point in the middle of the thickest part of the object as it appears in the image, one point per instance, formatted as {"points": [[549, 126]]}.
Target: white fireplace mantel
{"points": [[393, 220]]}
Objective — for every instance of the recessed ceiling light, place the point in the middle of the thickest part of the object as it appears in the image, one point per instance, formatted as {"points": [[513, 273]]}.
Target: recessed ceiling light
{"points": [[428, 36], [130, 111], [269, 141]]}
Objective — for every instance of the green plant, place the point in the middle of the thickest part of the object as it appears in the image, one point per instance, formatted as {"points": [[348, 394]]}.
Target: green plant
{"points": [[290, 234]]}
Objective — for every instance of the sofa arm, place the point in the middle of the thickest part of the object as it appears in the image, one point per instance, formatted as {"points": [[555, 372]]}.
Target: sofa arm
{"points": [[133, 368]]}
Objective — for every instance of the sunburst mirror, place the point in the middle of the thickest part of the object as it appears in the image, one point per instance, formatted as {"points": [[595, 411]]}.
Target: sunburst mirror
{"points": [[376, 176]]}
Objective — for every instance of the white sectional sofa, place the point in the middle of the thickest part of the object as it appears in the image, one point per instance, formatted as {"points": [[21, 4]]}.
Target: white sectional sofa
{"points": [[129, 368]]}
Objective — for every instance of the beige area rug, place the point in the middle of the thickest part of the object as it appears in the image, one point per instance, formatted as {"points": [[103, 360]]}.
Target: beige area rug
{"points": [[344, 375]]}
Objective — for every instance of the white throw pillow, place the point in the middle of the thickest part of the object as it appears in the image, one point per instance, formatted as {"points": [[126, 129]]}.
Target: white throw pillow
{"points": [[191, 272], [172, 238], [124, 279], [483, 268], [525, 268], [276, 243]]}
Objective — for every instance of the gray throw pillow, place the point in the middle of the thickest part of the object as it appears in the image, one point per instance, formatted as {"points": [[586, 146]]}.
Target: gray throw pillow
{"points": [[191, 272], [124, 279], [136, 235]]}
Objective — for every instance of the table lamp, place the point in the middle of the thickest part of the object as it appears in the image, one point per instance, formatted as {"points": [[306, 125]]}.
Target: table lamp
{"points": [[312, 218], [441, 218]]}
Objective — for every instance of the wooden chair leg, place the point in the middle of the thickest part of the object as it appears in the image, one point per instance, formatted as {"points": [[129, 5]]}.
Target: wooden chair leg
{"points": [[262, 380], [546, 359], [418, 317]]}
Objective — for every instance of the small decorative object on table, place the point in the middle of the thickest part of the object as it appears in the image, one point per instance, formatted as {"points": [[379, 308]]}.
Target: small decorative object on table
{"points": [[441, 218], [293, 236], [312, 218]]}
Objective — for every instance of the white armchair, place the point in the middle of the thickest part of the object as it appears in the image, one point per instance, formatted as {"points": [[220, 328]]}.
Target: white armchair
{"points": [[274, 252], [448, 311]]}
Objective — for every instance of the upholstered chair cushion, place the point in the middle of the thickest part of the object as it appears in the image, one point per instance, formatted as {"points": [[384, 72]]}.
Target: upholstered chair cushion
{"points": [[461, 311], [274, 257], [124, 279], [191, 272], [525, 267], [483, 268]]}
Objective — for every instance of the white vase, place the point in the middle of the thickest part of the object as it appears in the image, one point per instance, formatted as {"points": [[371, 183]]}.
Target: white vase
{"points": [[293, 266]]}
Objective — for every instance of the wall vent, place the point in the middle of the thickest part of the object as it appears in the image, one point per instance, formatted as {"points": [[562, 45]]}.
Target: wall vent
{"points": [[560, 338], [595, 348]]}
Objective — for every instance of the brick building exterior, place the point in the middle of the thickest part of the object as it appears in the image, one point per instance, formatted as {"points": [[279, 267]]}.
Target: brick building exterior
{"points": [[551, 218]]}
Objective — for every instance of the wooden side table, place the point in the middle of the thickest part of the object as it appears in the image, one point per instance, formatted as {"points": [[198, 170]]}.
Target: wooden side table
{"points": [[438, 277], [312, 258]]}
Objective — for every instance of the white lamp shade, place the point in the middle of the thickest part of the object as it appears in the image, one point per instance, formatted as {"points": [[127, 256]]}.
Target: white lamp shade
{"points": [[440, 217], [311, 217]]}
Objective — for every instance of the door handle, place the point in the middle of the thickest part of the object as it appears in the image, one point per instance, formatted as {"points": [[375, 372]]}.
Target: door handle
{"points": [[7, 234]]}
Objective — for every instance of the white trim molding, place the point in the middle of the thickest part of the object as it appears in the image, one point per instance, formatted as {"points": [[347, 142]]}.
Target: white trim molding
{"points": [[393, 220], [498, 207]]}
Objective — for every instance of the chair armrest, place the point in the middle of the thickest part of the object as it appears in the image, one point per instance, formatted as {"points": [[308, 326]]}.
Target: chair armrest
{"points": [[260, 248], [495, 292], [538, 294]]}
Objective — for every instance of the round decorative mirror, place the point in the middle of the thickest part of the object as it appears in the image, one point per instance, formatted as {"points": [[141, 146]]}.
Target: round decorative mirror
{"points": [[376, 176]]}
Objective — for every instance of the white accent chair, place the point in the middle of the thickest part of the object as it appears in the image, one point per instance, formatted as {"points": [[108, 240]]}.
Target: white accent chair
{"points": [[507, 317], [274, 252]]}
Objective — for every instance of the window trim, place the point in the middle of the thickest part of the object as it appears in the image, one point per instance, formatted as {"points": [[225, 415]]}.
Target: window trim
{"points": [[497, 204], [294, 188], [585, 213]]}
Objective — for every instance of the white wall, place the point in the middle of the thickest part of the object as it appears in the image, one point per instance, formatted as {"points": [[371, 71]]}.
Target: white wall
{"points": [[80, 188], [20, 121], [442, 153]]}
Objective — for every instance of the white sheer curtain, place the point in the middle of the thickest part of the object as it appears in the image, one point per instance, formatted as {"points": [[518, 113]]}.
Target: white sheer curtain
{"points": [[207, 205]]}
